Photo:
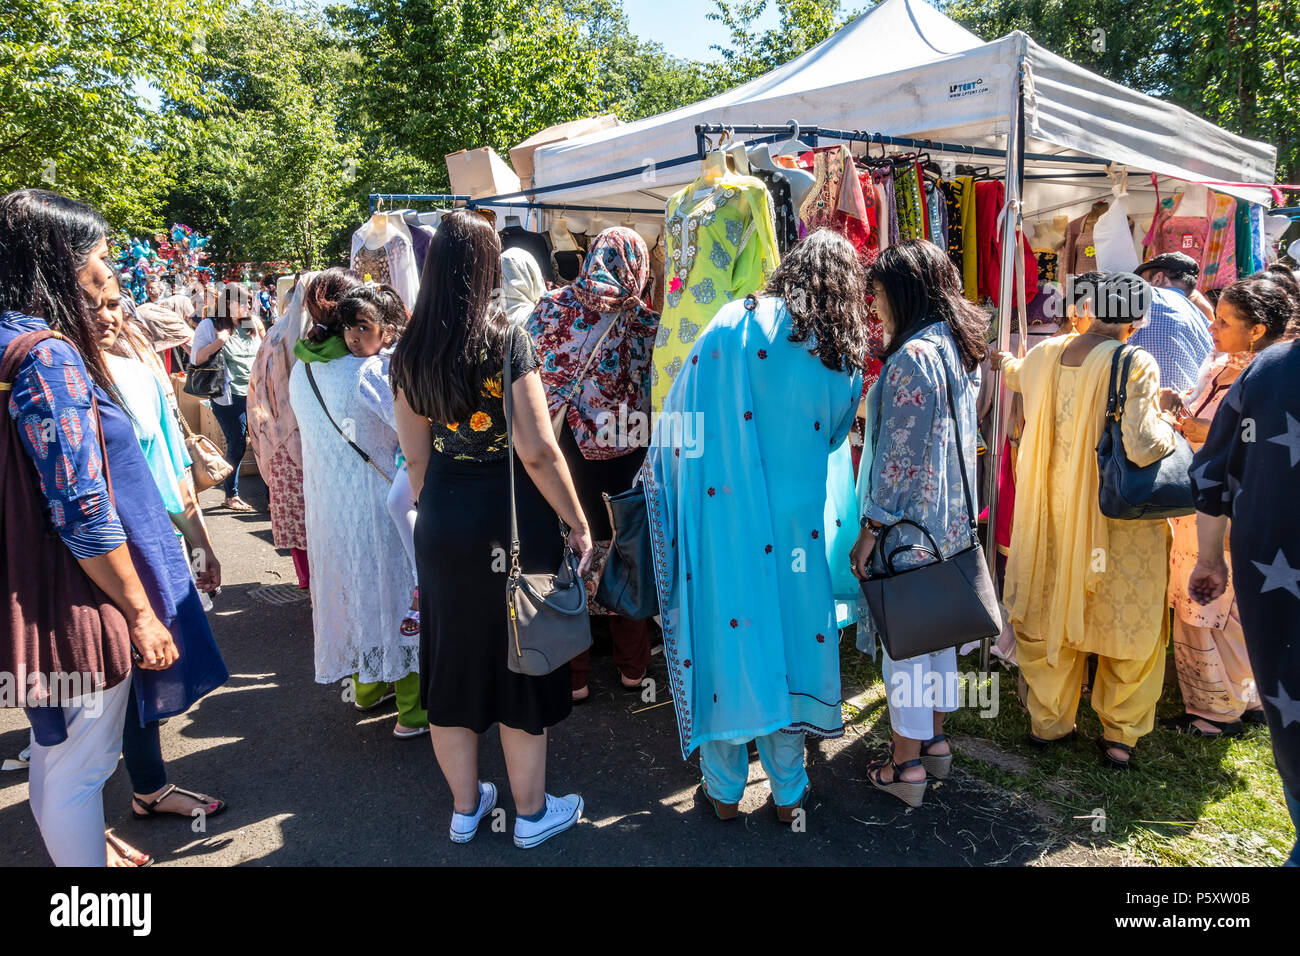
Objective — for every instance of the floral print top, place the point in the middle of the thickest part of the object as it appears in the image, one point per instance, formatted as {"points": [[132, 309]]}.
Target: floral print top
{"points": [[914, 471], [482, 435], [721, 246]]}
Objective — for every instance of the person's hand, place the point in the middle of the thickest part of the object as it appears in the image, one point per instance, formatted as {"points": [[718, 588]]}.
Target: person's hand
{"points": [[208, 577], [580, 543], [154, 644], [996, 356], [223, 336], [1208, 580], [860, 553], [1170, 401]]}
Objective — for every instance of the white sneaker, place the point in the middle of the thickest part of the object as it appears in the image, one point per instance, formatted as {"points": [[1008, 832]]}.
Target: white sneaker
{"points": [[561, 813], [464, 825]]}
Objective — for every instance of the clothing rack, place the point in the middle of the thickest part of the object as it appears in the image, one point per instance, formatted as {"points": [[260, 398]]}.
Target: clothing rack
{"points": [[376, 198], [814, 133]]}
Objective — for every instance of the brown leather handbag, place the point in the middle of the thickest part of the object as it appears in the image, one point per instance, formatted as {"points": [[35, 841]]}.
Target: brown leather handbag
{"points": [[208, 466], [55, 623]]}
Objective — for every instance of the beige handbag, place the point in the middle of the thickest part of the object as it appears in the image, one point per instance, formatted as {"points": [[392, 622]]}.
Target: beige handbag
{"points": [[208, 466]]}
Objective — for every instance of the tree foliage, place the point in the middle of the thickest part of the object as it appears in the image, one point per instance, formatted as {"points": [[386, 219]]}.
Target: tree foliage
{"points": [[1234, 62], [265, 165], [751, 53], [70, 116]]}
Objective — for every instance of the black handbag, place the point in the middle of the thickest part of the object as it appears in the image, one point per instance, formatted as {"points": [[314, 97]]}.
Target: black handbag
{"points": [[207, 380], [1162, 489], [627, 582], [547, 613], [946, 603]]}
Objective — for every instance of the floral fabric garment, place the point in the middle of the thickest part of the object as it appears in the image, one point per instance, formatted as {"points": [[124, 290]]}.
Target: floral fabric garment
{"points": [[721, 246], [482, 435], [601, 310]]}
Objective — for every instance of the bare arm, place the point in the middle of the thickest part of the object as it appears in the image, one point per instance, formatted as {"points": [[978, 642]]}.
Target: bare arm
{"points": [[537, 448], [116, 577], [199, 356], [416, 441]]}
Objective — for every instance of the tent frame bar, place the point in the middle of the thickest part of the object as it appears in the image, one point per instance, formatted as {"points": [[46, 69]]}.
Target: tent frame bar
{"points": [[376, 198]]}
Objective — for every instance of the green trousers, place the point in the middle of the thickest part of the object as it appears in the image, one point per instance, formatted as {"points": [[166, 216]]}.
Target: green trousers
{"points": [[409, 712]]}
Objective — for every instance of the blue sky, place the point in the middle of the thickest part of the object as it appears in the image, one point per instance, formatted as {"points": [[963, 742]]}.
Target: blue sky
{"points": [[682, 26]]}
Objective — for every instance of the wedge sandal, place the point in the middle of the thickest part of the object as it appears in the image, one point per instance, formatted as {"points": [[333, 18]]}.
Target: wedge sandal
{"points": [[910, 792]]}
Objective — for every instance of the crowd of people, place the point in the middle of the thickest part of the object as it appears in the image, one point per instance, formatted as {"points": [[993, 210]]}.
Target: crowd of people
{"points": [[393, 443]]}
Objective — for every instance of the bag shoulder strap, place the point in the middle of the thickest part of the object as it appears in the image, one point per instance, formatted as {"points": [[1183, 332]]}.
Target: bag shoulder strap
{"points": [[506, 388], [355, 447], [967, 495]]}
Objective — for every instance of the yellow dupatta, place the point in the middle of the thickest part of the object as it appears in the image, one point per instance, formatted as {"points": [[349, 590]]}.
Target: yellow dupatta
{"points": [[1043, 606]]}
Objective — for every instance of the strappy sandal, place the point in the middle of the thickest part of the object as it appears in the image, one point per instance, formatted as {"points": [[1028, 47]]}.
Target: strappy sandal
{"points": [[723, 811], [411, 621], [788, 814], [238, 504], [151, 808], [127, 852], [1042, 743], [1186, 724], [936, 765], [910, 792], [1110, 762]]}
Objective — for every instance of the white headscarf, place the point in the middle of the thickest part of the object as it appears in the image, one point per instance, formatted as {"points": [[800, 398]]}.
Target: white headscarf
{"points": [[522, 284]]}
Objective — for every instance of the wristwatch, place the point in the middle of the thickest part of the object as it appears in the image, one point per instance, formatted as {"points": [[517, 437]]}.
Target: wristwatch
{"points": [[872, 526]]}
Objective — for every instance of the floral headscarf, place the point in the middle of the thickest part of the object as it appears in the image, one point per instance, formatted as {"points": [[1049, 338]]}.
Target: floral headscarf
{"points": [[615, 271], [602, 307]]}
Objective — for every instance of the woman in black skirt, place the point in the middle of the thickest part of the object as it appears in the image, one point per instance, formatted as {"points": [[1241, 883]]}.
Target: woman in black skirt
{"points": [[447, 377]]}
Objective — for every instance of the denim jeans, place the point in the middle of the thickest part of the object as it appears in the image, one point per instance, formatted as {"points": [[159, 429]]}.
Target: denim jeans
{"points": [[233, 419]]}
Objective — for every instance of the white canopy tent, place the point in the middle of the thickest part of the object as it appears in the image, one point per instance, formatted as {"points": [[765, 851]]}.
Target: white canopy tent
{"points": [[903, 69]]}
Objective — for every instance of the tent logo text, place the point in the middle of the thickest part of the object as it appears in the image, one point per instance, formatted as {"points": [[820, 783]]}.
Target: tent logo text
{"points": [[975, 87]]}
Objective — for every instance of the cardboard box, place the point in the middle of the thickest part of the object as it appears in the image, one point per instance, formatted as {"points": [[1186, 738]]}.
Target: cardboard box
{"points": [[479, 173], [521, 156]]}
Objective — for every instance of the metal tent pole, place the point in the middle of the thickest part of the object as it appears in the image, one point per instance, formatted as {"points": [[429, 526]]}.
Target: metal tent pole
{"points": [[1015, 178]]}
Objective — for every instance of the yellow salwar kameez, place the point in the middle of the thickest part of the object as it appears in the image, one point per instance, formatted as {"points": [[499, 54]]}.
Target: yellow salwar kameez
{"points": [[1079, 583]]}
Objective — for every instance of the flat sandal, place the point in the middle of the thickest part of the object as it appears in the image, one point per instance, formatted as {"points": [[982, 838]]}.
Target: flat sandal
{"points": [[150, 809]]}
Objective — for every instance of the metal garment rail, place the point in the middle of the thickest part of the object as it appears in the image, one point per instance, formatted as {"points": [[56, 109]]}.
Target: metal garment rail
{"points": [[862, 136], [375, 198]]}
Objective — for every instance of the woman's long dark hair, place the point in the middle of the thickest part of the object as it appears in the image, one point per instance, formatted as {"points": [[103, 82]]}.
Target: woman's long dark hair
{"points": [[322, 298], [438, 363], [922, 286], [1269, 300], [45, 240], [823, 286]]}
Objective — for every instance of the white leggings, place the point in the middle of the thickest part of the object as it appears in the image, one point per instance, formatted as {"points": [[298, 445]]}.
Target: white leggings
{"points": [[66, 782], [401, 505]]}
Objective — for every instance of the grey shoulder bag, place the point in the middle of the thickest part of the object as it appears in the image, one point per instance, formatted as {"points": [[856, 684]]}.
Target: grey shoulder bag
{"points": [[945, 603], [547, 612]]}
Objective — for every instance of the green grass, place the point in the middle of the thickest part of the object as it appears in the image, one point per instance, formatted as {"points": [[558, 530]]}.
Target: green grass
{"points": [[1189, 801]]}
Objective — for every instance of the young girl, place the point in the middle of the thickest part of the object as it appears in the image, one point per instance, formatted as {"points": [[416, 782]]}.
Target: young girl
{"points": [[373, 318]]}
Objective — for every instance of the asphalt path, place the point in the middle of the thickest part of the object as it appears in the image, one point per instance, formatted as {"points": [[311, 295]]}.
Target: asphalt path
{"points": [[310, 781]]}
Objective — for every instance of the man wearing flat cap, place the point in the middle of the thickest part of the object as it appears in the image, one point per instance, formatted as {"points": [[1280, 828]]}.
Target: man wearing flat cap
{"points": [[1177, 332]]}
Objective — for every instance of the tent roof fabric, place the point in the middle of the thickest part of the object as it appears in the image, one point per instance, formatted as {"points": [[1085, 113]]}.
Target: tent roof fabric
{"points": [[905, 69]]}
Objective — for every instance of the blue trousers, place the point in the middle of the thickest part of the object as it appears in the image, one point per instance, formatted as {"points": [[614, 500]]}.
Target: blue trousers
{"points": [[233, 419], [725, 764], [141, 750]]}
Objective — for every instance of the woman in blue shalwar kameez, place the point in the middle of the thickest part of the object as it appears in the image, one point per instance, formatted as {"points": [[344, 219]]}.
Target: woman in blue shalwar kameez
{"points": [[748, 451]]}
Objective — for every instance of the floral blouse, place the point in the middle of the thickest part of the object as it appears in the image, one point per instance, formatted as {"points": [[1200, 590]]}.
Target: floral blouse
{"points": [[482, 436], [914, 472], [51, 402]]}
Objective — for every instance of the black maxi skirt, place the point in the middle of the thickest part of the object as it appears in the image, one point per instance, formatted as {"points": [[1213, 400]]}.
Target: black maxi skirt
{"points": [[462, 547]]}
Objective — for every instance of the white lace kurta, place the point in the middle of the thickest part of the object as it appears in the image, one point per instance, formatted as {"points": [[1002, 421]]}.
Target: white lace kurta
{"points": [[360, 575]]}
